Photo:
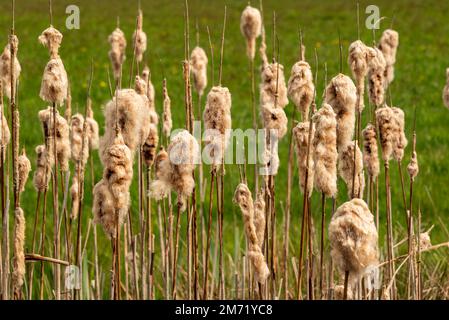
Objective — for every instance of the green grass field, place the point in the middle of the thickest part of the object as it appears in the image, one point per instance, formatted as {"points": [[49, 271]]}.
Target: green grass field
{"points": [[420, 76]]}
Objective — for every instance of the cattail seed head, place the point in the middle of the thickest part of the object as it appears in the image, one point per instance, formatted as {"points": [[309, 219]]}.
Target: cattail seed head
{"points": [[117, 54], [370, 153], [387, 130], [24, 170], [150, 146], [76, 140], [54, 82], [301, 89], [75, 196], [217, 123], [51, 38], [132, 113], [5, 66], [388, 44], [346, 167], [198, 64], [413, 167], [304, 154], [167, 123], [251, 28], [62, 136], [424, 240], [174, 169], [275, 119], [341, 95], [5, 134], [42, 173], [243, 198], [19, 246], [359, 58], [353, 238], [259, 217], [376, 78], [400, 141], [93, 132], [325, 151], [139, 38], [273, 83], [104, 208]]}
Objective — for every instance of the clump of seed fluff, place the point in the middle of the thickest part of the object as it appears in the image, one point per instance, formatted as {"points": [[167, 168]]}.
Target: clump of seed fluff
{"points": [[117, 54], [139, 38], [5, 66], [251, 28], [275, 119], [446, 90], [388, 44], [353, 238], [198, 65], [243, 198], [359, 58], [301, 137], [42, 172], [217, 123], [167, 122], [76, 139], [19, 255], [400, 141], [5, 134], [413, 167], [259, 216], [149, 132], [93, 132], [132, 119], [370, 153], [346, 167], [273, 90], [54, 81], [325, 151], [387, 130], [62, 136], [341, 95], [24, 170], [301, 89], [174, 169], [111, 194], [376, 78], [146, 76]]}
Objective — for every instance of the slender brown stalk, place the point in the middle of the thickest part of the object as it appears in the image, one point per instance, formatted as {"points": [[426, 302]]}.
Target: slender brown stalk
{"points": [[209, 231]]}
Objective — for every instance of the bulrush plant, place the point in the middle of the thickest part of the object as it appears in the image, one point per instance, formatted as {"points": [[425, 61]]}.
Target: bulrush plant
{"points": [[54, 88], [353, 239], [371, 163], [243, 198], [325, 167], [388, 44], [341, 95], [117, 53], [157, 251]]}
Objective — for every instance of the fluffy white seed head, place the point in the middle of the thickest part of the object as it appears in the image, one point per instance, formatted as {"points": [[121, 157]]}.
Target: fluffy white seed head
{"points": [[251, 28], [353, 238]]}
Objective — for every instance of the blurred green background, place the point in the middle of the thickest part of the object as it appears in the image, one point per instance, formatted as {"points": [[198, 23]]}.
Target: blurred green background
{"points": [[420, 76]]}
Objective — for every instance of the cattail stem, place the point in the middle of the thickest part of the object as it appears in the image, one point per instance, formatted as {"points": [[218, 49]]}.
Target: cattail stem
{"points": [[33, 245], [288, 206], [390, 240], [175, 261], [345, 292], [209, 231], [43, 235], [323, 223]]}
